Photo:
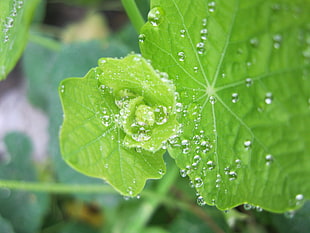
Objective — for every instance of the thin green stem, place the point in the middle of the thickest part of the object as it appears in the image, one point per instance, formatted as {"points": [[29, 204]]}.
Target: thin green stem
{"points": [[153, 199], [133, 13], [59, 188], [45, 42]]}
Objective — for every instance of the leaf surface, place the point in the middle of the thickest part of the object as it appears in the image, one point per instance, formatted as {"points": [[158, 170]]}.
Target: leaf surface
{"points": [[241, 69], [109, 128], [15, 19]]}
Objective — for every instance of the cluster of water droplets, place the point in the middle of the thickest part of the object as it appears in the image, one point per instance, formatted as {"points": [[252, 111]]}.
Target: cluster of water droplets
{"points": [[9, 21]]}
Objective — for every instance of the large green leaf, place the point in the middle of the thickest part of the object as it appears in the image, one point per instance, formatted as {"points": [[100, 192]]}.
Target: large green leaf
{"points": [[242, 72], [116, 119], [15, 18]]}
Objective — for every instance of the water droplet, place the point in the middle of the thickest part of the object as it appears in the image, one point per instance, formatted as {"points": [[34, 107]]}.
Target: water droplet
{"points": [[247, 206], [179, 107], [247, 144], [212, 99], [299, 199], [102, 61], [268, 159], [204, 22], [289, 214], [210, 165], [138, 196], [232, 175], [259, 209], [106, 120], [200, 201], [9, 22], [20, 4], [211, 6], [161, 115], [196, 159], [161, 171], [203, 33], [248, 82], [198, 182], [141, 38], [181, 56], [142, 133], [238, 163], [254, 42], [196, 70], [234, 97], [268, 98], [62, 88], [155, 16], [182, 33], [200, 48], [277, 39], [183, 173]]}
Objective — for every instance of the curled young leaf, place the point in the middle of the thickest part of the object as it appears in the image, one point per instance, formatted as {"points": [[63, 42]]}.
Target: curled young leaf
{"points": [[116, 120]]}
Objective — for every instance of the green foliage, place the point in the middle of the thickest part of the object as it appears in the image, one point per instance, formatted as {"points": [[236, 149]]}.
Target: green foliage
{"points": [[115, 129], [15, 18], [18, 166], [246, 98]]}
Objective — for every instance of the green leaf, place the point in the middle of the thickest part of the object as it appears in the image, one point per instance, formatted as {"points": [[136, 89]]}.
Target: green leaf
{"points": [[43, 82], [111, 123], [15, 19], [25, 210], [242, 72]]}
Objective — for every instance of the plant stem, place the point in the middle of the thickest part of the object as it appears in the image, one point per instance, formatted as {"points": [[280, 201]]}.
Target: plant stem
{"points": [[144, 212], [45, 42], [133, 13], [55, 187]]}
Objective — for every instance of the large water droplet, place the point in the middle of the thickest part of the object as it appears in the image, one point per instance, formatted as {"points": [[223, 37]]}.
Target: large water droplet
{"points": [[155, 16], [210, 165], [183, 173], [161, 115], [232, 175]]}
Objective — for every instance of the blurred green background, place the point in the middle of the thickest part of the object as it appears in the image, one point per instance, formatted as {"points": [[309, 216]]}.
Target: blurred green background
{"points": [[66, 39]]}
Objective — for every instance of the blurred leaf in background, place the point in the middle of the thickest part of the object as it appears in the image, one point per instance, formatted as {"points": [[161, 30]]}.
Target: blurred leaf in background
{"points": [[23, 209]]}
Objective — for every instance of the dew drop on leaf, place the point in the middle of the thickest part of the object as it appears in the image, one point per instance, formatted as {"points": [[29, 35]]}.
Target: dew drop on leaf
{"points": [[234, 97], [181, 56], [211, 6], [254, 42], [268, 159], [182, 33], [248, 82], [195, 69], [212, 99], [141, 38], [198, 182], [200, 48], [203, 33], [247, 144], [232, 175], [277, 39], [268, 98], [247, 206], [155, 16], [210, 165], [183, 173], [200, 201]]}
